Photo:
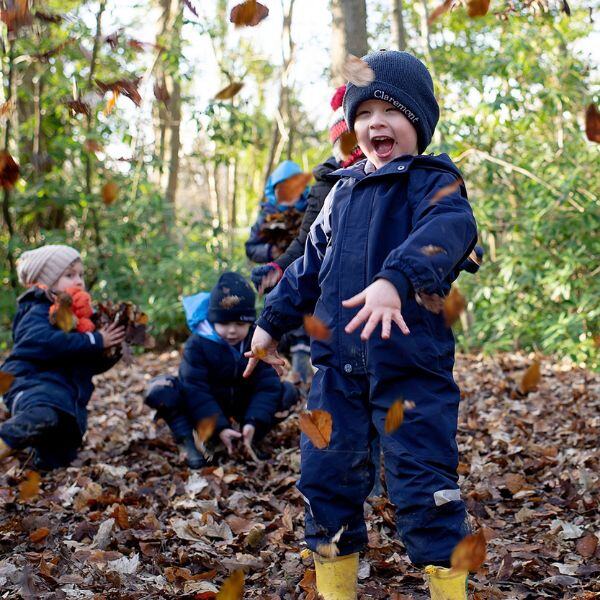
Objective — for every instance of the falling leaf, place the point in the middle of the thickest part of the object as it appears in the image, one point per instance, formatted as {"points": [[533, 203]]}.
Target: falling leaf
{"points": [[292, 188], [394, 417], [316, 328], [348, 142], [113, 39], [121, 516], [127, 87], [446, 190], [566, 8], [9, 170], [531, 378], [587, 545], [356, 71], [470, 553], [31, 486], [206, 427], [46, 56], [110, 192], [592, 123], [432, 302], [248, 14], [432, 250], [47, 17], [331, 550], [439, 10], [111, 103], [189, 4], [79, 108], [61, 313], [229, 91], [230, 301], [6, 380], [161, 93], [233, 587], [317, 426], [39, 534], [6, 108], [92, 146], [477, 8], [454, 304], [16, 15], [475, 257]]}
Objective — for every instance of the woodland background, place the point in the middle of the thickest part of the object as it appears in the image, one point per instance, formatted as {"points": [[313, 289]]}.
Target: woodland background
{"points": [[108, 108]]}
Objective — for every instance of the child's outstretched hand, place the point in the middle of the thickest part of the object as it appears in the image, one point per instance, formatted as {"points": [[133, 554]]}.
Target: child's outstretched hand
{"points": [[264, 348], [112, 335], [381, 304], [227, 436]]}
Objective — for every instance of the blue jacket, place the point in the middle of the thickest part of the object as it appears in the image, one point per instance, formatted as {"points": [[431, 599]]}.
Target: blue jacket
{"points": [[257, 249], [52, 367], [376, 226], [211, 371]]}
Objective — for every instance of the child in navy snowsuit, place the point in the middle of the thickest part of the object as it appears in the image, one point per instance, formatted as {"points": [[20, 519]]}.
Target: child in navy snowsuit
{"points": [[52, 369], [388, 243], [210, 378]]}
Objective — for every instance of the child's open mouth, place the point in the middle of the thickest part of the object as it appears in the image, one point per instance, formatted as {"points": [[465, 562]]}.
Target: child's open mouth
{"points": [[383, 145]]}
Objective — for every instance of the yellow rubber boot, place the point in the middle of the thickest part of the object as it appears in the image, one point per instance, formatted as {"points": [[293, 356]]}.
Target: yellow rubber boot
{"points": [[337, 578], [446, 584], [5, 449]]}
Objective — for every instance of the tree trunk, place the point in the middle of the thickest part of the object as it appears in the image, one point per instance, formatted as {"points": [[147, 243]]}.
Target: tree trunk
{"points": [[349, 34], [398, 32]]}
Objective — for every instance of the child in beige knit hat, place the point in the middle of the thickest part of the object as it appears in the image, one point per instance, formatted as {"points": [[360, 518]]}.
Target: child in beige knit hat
{"points": [[52, 368]]}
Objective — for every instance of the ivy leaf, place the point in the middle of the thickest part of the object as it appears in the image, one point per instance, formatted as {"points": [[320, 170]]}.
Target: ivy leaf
{"points": [[317, 426]]}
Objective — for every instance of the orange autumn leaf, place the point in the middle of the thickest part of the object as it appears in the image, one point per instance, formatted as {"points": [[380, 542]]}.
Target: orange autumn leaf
{"points": [[79, 108], [206, 427], [248, 14], [439, 10], [454, 304], [592, 123], [531, 378], [6, 108], [233, 587], [330, 549], [348, 142], [111, 102], [317, 426], [446, 191], [61, 313], [31, 486], [9, 170], [6, 380], [292, 188], [92, 146], [121, 516], [110, 191], [39, 534], [309, 581], [16, 14], [477, 8], [316, 328], [469, 553], [229, 91], [357, 71], [394, 417]]}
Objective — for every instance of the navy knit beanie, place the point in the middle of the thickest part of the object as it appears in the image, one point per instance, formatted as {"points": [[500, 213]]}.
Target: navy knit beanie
{"points": [[404, 82], [232, 299]]}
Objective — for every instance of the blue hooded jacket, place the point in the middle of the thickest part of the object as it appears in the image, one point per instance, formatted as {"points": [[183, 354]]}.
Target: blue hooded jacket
{"points": [[256, 249]]}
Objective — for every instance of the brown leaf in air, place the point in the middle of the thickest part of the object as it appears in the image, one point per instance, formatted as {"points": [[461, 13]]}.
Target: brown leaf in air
{"points": [[61, 312], [432, 302], [233, 587], [39, 534], [331, 550], [6, 108], [79, 108], [9, 170], [110, 191], [16, 15], [394, 417], [229, 91], [6, 380], [348, 142], [469, 553], [31, 486], [531, 378], [206, 427], [316, 328], [248, 14], [111, 103], [478, 8], [592, 123], [92, 146], [127, 87], [230, 301], [317, 426], [192, 8], [161, 93], [432, 250], [291, 189], [439, 10], [357, 71], [454, 304], [446, 191]]}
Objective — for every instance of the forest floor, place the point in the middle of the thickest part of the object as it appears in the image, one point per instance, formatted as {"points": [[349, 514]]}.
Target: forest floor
{"points": [[129, 521]]}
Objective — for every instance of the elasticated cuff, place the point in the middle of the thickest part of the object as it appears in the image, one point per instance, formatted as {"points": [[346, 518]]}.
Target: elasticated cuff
{"points": [[399, 280]]}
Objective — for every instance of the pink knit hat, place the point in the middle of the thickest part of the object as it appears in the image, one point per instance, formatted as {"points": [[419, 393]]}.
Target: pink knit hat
{"points": [[338, 128]]}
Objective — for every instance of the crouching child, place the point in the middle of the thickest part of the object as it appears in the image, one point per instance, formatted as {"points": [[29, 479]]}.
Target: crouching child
{"points": [[210, 382]]}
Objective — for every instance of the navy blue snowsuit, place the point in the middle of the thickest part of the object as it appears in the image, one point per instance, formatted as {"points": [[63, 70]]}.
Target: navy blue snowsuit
{"points": [[372, 226], [53, 373]]}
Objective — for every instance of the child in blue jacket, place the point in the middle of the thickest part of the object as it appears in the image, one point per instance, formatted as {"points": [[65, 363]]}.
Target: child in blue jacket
{"points": [[385, 248], [210, 381], [52, 369]]}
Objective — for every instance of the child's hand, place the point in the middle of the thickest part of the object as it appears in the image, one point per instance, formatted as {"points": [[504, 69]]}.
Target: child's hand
{"points": [[263, 347], [112, 335], [227, 436], [381, 303]]}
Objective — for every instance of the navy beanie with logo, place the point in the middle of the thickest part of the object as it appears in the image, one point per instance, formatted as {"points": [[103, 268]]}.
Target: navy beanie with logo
{"points": [[404, 82], [232, 299]]}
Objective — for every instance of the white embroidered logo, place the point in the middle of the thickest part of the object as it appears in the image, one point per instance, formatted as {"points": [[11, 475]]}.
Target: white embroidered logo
{"points": [[410, 115]]}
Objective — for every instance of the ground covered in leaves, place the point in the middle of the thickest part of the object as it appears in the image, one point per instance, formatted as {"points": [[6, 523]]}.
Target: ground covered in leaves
{"points": [[130, 521]]}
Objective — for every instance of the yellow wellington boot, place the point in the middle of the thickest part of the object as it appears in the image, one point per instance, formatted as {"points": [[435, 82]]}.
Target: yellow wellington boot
{"points": [[337, 578], [446, 584], [5, 449]]}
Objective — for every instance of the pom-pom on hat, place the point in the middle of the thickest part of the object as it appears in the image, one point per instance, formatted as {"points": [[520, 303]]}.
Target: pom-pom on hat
{"points": [[404, 82], [337, 128], [46, 264]]}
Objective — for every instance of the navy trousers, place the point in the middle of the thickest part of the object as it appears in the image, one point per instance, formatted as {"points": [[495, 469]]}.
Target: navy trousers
{"points": [[420, 460]]}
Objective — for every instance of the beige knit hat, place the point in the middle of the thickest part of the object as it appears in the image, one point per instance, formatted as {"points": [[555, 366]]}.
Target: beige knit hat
{"points": [[45, 265]]}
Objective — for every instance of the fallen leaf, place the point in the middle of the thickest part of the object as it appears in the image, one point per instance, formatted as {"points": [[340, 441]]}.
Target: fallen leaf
{"points": [[477, 8], [531, 378], [233, 587], [121, 516], [592, 123], [9, 170], [439, 10], [587, 545], [317, 426], [470, 553], [454, 304], [394, 417], [39, 534], [446, 190], [292, 188], [248, 14], [6, 380], [316, 328], [173, 574], [514, 482], [110, 192], [229, 91], [356, 71], [206, 427], [31, 486]]}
